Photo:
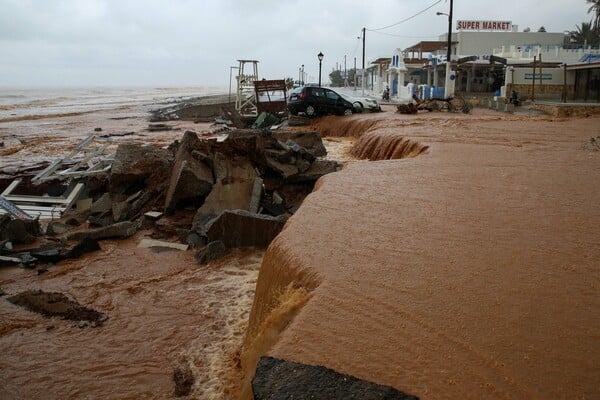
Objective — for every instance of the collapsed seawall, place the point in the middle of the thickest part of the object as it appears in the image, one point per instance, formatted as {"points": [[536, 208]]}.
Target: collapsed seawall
{"points": [[466, 273]]}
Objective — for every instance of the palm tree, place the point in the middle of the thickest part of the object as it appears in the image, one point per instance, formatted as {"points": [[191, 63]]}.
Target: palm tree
{"points": [[595, 11], [585, 35]]}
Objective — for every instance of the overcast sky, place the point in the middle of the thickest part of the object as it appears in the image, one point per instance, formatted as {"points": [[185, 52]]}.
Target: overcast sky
{"points": [[194, 42]]}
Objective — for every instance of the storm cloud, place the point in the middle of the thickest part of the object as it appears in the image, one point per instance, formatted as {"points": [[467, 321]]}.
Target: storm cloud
{"points": [[184, 42]]}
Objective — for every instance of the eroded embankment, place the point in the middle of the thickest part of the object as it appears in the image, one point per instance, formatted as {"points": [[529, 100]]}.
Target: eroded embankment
{"points": [[376, 138], [286, 281], [283, 288]]}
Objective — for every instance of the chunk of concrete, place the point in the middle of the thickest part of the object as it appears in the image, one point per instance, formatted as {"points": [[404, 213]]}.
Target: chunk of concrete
{"points": [[236, 189], [212, 251], [18, 231], [149, 243], [191, 178], [102, 205], [136, 167], [57, 228], [154, 215], [240, 228], [316, 170], [118, 230], [281, 379], [310, 140]]}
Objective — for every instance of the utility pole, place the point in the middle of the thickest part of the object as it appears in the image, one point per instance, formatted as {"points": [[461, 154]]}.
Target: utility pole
{"points": [[364, 30], [355, 74], [345, 73], [449, 89]]}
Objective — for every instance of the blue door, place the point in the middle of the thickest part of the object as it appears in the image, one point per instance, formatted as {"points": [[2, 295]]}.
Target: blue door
{"points": [[395, 86]]}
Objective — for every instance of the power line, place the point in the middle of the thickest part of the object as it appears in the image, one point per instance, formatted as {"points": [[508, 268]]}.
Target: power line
{"points": [[404, 36], [406, 19]]}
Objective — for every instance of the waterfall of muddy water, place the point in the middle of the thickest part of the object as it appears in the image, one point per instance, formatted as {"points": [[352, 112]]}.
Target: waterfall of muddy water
{"points": [[164, 311], [469, 272]]}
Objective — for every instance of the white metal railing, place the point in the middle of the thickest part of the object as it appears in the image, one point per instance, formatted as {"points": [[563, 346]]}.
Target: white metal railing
{"points": [[548, 53]]}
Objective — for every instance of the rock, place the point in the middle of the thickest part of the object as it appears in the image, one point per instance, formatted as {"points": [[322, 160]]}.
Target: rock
{"points": [[195, 240], [54, 253], [212, 251], [281, 379], [100, 221], [153, 215], [295, 120], [102, 205], [118, 230], [86, 245], [184, 380], [316, 170], [311, 141], [97, 129], [55, 304], [121, 210], [150, 243], [235, 190], [18, 231], [159, 127], [191, 178], [139, 168], [239, 228], [57, 228]]}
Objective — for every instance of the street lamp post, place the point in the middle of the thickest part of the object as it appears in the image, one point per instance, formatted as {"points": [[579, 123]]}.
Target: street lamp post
{"points": [[320, 57], [302, 83]]}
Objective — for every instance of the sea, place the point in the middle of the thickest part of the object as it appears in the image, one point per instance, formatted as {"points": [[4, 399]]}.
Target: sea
{"points": [[20, 102]]}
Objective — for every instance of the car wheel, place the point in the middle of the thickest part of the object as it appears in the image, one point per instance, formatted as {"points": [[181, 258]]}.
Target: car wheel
{"points": [[358, 107], [348, 111], [310, 111]]}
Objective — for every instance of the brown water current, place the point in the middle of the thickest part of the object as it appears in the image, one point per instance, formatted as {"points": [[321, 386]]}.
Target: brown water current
{"points": [[164, 311], [471, 271], [467, 266]]}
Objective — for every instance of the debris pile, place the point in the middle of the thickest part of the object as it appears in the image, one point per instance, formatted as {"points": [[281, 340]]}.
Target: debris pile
{"points": [[208, 194]]}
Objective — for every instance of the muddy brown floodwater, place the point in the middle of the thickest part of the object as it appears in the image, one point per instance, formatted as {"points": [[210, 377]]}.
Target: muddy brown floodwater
{"points": [[164, 311], [468, 267], [468, 271]]}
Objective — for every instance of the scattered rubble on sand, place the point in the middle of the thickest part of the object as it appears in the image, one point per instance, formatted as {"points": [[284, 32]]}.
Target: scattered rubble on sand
{"points": [[208, 194]]}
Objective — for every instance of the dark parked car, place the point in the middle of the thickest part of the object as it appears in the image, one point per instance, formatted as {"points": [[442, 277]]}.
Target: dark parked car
{"points": [[318, 101]]}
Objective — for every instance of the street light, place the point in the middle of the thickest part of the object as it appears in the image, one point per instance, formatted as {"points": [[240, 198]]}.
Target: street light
{"points": [[302, 83], [320, 57]]}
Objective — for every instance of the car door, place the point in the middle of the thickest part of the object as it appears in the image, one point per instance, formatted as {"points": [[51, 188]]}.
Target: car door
{"points": [[334, 102], [319, 100]]}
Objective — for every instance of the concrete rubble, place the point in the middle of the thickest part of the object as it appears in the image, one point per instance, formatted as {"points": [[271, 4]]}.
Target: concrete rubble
{"points": [[209, 194]]}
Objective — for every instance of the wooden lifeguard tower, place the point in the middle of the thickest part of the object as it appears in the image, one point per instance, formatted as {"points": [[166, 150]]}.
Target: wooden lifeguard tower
{"points": [[245, 100]]}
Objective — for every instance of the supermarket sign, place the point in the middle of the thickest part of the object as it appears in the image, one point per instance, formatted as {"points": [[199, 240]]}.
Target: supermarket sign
{"points": [[484, 25]]}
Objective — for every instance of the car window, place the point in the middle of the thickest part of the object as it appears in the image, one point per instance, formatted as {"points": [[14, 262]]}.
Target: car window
{"points": [[332, 95], [318, 92]]}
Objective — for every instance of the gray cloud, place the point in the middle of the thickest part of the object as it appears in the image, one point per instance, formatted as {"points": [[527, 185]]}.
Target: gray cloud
{"points": [[184, 42]]}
